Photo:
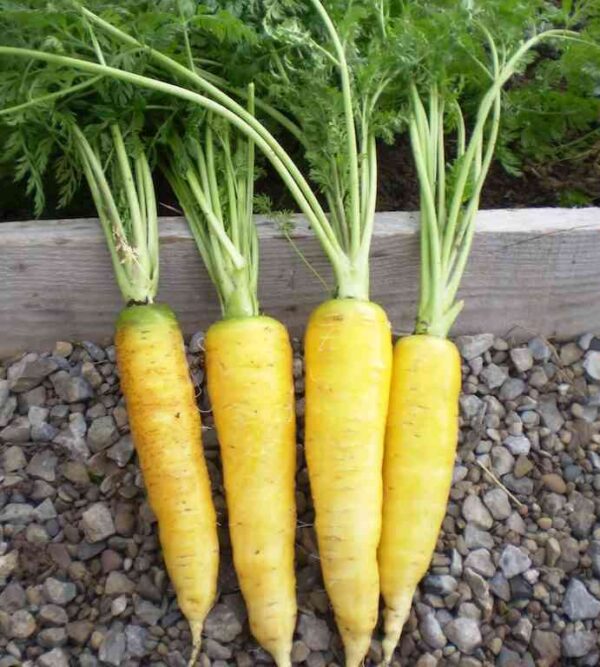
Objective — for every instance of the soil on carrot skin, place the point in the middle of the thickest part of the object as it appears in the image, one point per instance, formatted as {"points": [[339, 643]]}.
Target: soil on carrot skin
{"points": [[398, 190]]}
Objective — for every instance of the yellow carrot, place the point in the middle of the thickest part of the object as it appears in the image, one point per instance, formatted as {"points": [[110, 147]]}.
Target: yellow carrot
{"points": [[250, 378], [250, 383], [348, 367], [422, 426], [166, 430], [420, 447], [163, 415]]}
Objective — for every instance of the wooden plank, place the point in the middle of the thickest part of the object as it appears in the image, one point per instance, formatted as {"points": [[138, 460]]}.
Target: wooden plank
{"points": [[531, 271]]}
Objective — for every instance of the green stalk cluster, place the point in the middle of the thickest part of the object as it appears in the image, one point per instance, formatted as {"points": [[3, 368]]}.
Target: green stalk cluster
{"points": [[449, 201], [131, 229], [221, 219]]}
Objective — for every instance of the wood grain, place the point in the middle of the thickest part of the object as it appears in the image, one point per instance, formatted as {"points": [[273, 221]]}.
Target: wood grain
{"points": [[530, 271]]}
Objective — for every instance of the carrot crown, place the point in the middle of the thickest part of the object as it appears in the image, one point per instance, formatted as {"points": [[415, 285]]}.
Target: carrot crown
{"points": [[212, 174]]}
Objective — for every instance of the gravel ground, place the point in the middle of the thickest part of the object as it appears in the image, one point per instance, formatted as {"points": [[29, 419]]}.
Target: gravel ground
{"points": [[515, 579]]}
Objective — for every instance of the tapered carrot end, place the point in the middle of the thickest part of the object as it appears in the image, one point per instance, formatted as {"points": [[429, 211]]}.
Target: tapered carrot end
{"points": [[355, 649], [283, 659], [394, 620], [196, 629]]}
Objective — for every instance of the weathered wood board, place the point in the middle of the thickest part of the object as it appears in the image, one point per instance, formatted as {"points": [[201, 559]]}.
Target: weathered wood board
{"points": [[531, 271]]}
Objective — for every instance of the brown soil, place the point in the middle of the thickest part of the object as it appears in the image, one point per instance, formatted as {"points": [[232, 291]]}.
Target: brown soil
{"points": [[549, 186]]}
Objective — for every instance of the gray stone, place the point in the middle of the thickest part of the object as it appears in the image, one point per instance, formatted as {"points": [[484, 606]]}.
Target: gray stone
{"points": [[136, 637], [59, 592], [29, 372], [497, 502], [37, 415], [474, 346], [550, 414], [16, 513], [439, 584], [476, 538], [45, 511], [147, 612], [494, 376], [502, 460], [475, 512], [519, 485], [578, 603], [95, 351], [512, 389], [538, 378], [578, 643], [122, 451], [44, 432], [591, 364], [456, 564], [102, 433], [471, 405], [508, 658], [518, 444], [223, 625], [426, 660], [522, 630], [52, 614], [22, 624], [464, 633], [88, 660], [51, 637], [197, 343], [12, 597], [17, 431], [539, 349], [552, 551], [71, 440], [43, 465], [569, 554], [520, 589], [314, 632], [13, 459], [32, 398], [97, 523], [500, 587], [570, 353], [54, 658], [118, 583], [112, 648], [7, 411], [4, 392], [583, 516], [595, 556], [546, 645], [118, 605], [479, 586], [8, 564], [36, 534], [521, 358], [514, 561], [431, 631], [71, 389], [79, 631], [481, 562]]}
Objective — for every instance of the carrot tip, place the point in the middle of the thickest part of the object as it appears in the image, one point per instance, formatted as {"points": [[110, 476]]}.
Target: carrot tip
{"points": [[394, 620], [196, 628], [355, 648]]}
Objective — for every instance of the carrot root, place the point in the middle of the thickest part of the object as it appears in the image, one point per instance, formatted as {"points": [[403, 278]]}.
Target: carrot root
{"points": [[166, 429], [420, 448], [251, 388], [394, 619], [348, 355], [196, 630]]}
